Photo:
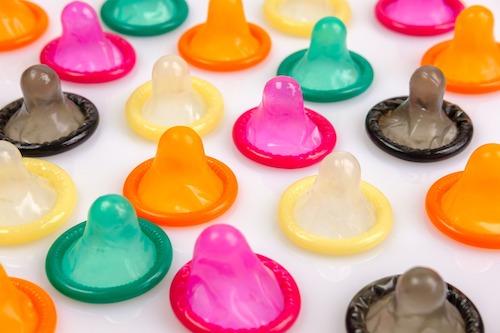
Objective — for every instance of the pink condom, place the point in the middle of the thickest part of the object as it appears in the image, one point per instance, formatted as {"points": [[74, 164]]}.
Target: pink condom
{"points": [[84, 53], [417, 17], [228, 288], [280, 132]]}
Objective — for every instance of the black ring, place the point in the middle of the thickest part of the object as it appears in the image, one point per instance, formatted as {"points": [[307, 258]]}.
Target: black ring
{"points": [[454, 112], [357, 310], [75, 138]]}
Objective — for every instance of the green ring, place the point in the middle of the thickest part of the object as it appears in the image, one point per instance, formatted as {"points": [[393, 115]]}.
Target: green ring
{"points": [[83, 293], [325, 96], [180, 15]]}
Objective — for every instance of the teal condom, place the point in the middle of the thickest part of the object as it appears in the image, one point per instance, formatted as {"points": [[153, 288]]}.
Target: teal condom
{"points": [[144, 17], [111, 257], [328, 71]]}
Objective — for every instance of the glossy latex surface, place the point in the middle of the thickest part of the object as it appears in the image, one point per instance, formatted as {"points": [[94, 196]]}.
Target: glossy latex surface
{"points": [[420, 121], [228, 288], [21, 23], [471, 60], [84, 53], [226, 41], [335, 206], [24, 197], [46, 114], [144, 17], [421, 18], [113, 256], [417, 305], [282, 107], [180, 185], [462, 204], [173, 97], [328, 71], [173, 100], [297, 17]]}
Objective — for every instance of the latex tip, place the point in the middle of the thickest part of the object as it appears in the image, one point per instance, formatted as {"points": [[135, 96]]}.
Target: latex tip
{"points": [[414, 17], [36, 197], [181, 186], [23, 22], [144, 17], [84, 53], [173, 98], [47, 121], [461, 205], [471, 60], [421, 127], [418, 300], [229, 288], [226, 41], [111, 257], [280, 132], [25, 307], [335, 212], [298, 17], [328, 71]]}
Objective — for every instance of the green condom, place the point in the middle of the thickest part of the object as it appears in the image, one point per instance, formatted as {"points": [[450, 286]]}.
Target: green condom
{"points": [[144, 17], [328, 71], [111, 257]]}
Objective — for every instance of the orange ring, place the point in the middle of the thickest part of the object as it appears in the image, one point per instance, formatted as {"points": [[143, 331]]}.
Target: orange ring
{"points": [[433, 53], [444, 224], [230, 189], [42, 303], [41, 23], [225, 66]]}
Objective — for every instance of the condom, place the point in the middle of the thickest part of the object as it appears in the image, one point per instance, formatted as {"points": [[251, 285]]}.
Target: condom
{"points": [[226, 41], [471, 60], [229, 288], [181, 186], [412, 296], [144, 17], [25, 307], [36, 197], [47, 121], [111, 257], [23, 22], [421, 127], [173, 98], [335, 212], [84, 53], [328, 71], [461, 205], [418, 18], [280, 132]]}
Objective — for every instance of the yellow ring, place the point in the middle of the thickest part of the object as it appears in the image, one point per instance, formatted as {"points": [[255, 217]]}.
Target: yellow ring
{"points": [[152, 131], [364, 242], [341, 8], [64, 206]]}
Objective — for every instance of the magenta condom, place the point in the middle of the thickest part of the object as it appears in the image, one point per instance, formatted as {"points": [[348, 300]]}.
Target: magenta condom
{"points": [[84, 53], [417, 17], [280, 132], [227, 288]]}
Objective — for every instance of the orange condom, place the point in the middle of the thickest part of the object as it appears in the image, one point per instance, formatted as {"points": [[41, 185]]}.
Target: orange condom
{"points": [[226, 41], [464, 205], [181, 186], [25, 307], [471, 60], [22, 22]]}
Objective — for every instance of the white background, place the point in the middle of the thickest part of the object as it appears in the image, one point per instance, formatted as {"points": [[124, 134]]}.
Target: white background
{"points": [[327, 283]]}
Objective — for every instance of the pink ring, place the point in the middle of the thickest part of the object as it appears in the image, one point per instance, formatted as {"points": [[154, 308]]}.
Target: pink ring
{"points": [[183, 311], [47, 58], [328, 136]]}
